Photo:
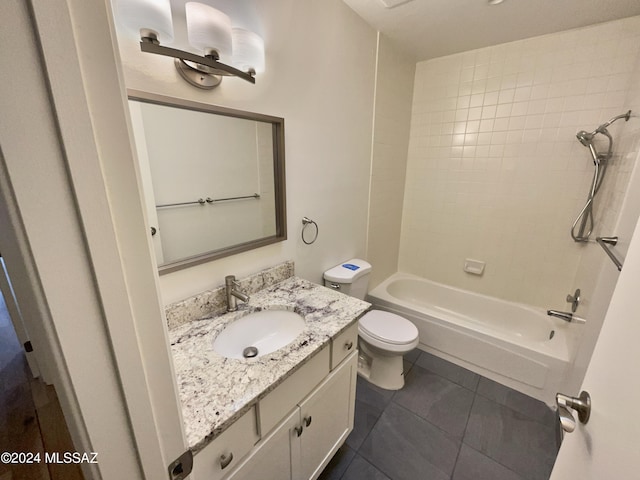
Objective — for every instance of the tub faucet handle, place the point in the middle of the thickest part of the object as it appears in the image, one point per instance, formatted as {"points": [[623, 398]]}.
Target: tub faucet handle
{"points": [[574, 300]]}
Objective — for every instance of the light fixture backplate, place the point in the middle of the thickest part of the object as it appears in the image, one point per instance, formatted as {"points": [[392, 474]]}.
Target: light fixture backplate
{"points": [[196, 75]]}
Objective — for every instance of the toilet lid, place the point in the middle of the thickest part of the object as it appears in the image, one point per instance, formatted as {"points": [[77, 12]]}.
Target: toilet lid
{"points": [[388, 327]]}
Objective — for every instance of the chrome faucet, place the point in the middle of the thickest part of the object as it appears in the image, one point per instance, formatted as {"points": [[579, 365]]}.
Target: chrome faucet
{"points": [[233, 295], [566, 316]]}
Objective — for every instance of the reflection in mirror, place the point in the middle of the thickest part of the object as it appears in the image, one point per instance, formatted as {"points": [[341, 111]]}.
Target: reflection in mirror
{"points": [[213, 178]]}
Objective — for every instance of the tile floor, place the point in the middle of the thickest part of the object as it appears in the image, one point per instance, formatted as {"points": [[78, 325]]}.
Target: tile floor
{"points": [[447, 423]]}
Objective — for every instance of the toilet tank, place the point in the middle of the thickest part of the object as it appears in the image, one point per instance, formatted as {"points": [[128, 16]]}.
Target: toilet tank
{"points": [[350, 277]]}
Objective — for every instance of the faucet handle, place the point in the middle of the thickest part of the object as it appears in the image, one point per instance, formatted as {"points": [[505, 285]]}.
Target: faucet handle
{"points": [[574, 300]]}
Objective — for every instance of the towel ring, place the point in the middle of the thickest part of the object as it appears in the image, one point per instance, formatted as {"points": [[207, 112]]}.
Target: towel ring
{"points": [[306, 222]]}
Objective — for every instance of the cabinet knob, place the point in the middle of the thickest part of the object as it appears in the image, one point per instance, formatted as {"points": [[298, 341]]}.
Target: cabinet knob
{"points": [[348, 345], [225, 460], [298, 430], [307, 420]]}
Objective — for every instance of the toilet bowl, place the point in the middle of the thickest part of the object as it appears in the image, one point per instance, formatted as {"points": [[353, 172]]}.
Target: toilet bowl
{"points": [[383, 337]]}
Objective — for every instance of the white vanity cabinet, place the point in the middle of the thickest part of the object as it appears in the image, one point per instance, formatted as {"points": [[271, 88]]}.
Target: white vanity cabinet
{"points": [[301, 423], [300, 446], [271, 458], [225, 453], [326, 419]]}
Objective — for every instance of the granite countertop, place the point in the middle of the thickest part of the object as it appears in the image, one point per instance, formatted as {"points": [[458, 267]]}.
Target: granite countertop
{"points": [[215, 391]]}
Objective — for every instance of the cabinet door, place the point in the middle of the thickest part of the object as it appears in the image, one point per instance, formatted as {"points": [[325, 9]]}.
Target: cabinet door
{"points": [[271, 458], [327, 419]]}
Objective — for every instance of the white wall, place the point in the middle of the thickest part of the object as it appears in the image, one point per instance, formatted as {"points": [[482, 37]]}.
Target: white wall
{"points": [[320, 59], [494, 169], [393, 95]]}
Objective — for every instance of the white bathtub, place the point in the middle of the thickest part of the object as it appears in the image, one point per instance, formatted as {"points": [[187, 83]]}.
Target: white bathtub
{"points": [[514, 344]]}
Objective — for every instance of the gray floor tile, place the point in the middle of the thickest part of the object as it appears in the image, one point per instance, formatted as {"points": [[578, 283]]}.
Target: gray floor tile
{"points": [[448, 370], [365, 417], [517, 401], [473, 465], [511, 438], [436, 399], [373, 395], [360, 469], [414, 433], [406, 447], [406, 368], [338, 464], [412, 356]]}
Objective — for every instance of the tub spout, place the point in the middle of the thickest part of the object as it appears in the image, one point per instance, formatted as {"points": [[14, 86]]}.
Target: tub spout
{"points": [[566, 316]]}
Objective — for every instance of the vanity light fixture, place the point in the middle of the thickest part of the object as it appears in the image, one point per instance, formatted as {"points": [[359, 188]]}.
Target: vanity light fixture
{"points": [[495, 2], [227, 51]]}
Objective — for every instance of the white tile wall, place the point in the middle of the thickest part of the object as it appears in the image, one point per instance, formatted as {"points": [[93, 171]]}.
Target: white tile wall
{"points": [[618, 209], [494, 169]]}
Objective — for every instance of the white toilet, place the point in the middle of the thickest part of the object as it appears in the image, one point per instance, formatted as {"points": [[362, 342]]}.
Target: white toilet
{"points": [[383, 337]]}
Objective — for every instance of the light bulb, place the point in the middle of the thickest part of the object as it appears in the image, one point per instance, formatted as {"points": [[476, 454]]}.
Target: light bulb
{"points": [[248, 51], [144, 16], [209, 29]]}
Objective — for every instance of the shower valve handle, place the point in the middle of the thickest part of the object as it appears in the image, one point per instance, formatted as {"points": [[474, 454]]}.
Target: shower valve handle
{"points": [[574, 300]]}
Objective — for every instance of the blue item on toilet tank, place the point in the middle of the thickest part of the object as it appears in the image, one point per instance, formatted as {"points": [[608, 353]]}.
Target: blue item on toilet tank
{"points": [[351, 266]]}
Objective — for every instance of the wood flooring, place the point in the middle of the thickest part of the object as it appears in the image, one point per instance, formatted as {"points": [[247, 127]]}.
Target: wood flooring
{"points": [[31, 420]]}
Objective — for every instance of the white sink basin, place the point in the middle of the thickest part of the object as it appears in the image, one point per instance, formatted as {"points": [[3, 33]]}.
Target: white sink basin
{"points": [[266, 331]]}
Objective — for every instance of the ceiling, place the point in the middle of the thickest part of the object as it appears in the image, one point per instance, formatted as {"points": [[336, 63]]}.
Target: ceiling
{"points": [[434, 28]]}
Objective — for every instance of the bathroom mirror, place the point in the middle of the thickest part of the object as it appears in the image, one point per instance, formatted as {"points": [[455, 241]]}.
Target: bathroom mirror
{"points": [[213, 178]]}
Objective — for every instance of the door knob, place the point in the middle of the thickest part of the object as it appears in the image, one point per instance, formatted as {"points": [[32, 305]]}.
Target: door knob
{"points": [[581, 404], [567, 422]]}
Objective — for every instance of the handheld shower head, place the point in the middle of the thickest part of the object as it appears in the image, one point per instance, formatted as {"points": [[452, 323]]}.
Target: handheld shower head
{"points": [[585, 138], [584, 221]]}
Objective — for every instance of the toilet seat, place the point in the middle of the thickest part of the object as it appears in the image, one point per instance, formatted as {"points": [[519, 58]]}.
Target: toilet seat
{"points": [[388, 331]]}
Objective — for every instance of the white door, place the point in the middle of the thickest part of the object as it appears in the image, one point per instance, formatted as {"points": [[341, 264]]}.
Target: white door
{"points": [[608, 446], [16, 318]]}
